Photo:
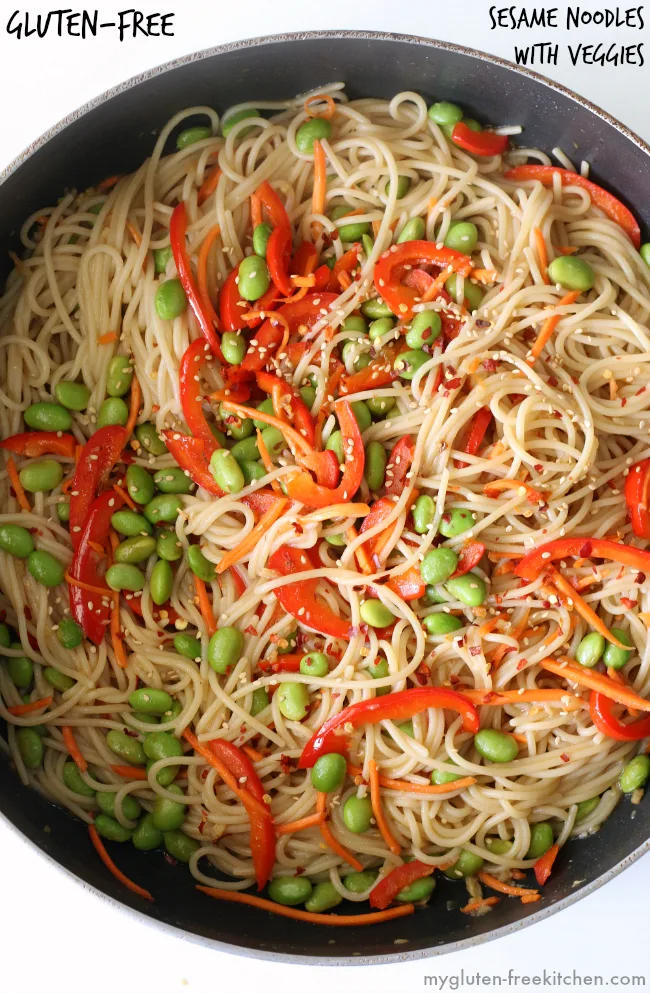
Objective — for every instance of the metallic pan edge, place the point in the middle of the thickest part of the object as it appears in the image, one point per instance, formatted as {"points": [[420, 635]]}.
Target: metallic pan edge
{"points": [[251, 44]]}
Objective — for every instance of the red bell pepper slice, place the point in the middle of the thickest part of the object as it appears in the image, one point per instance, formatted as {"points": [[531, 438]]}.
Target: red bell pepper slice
{"points": [[191, 456], [300, 415], [383, 894], [262, 830], [325, 468], [480, 424], [543, 866], [275, 209], [191, 401], [278, 258], [470, 555], [98, 456], [299, 599], [601, 709], [399, 464], [607, 202], [90, 610], [541, 557], [483, 143], [333, 735], [232, 307], [283, 663], [305, 259], [260, 501], [303, 488], [410, 585], [164, 616], [346, 264], [391, 267], [322, 277], [637, 497], [36, 443], [177, 235]]}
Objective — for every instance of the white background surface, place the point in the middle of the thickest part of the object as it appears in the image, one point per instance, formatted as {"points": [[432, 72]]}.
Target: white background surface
{"points": [[57, 936]]}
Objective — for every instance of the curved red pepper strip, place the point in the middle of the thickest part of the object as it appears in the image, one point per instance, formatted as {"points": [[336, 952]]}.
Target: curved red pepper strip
{"points": [[190, 454], [35, 443], [383, 894], [262, 830], [303, 488], [260, 501], [601, 709], [483, 143], [299, 599], [324, 465], [275, 209], [391, 267], [470, 555], [346, 263], [235, 312], [399, 464], [90, 610], [543, 866], [191, 400], [278, 258], [177, 234], [305, 259], [637, 497], [283, 663], [480, 424], [410, 585], [333, 735], [607, 202], [98, 456], [300, 414], [585, 548]]}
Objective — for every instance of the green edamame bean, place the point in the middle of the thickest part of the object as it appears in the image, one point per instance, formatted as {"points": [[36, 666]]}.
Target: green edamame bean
{"points": [[239, 115], [226, 471], [125, 577], [350, 352], [163, 508], [161, 582], [130, 524], [335, 539], [48, 417], [378, 671], [308, 396], [106, 803], [352, 324], [225, 648], [246, 450], [274, 443], [467, 864], [407, 364], [374, 309], [362, 415], [418, 891], [498, 846], [323, 897], [307, 133], [167, 814], [16, 541], [253, 278], [146, 836], [148, 700], [168, 547], [328, 772], [72, 778], [368, 244], [644, 252], [45, 568], [380, 330], [140, 486], [135, 550], [379, 406], [403, 186], [129, 749], [149, 439], [179, 845], [58, 680], [413, 230], [69, 633], [266, 407], [252, 471], [357, 814], [290, 890], [469, 589], [472, 294], [360, 882], [444, 113], [172, 480], [141, 718], [5, 636], [433, 595], [191, 135], [423, 512], [238, 428], [63, 511], [314, 664], [473, 125], [455, 521], [349, 232], [613, 657], [21, 670], [30, 746], [120, 376], [74, 396], [161, 745], [438, 565], [495, 746], [462, 237], [111, 829], [166, 775], [161, 257], [439, 624], [406, 727], [635, 774], [572, 273], [335, 444], [440, 777], [375, 614], [170, 300], [541, 839], [586, 807], [233, 345], [590, 649], [261, 236], [260, 701], [425, 329], [187, 645], [40, 477], [293, 701]]}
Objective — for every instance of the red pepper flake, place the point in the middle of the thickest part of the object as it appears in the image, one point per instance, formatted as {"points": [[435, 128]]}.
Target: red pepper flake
{"points": [[538, 468], [170, 859], [28, 613], [640, 578], [300, 870], [251, 629], [287, 764], [522, 664], [475, 650], [454, 680], [453, 384], [565, 757], [586, 550], [629, 604], [623, 401], [489, 365], [131, 733]]}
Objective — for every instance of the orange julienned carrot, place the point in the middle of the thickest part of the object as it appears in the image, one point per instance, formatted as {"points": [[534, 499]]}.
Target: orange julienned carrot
{"points": [[108, 183], [301, 444], [252, 538], [564, 587], [108, 338], [20, 709], [333, 920], [243, 795], [489, 901], [378, 810], [73, 749], [516, 633], [253, 753], [549, 327], [495, 884], [494, 487], [205, 606], [16, 484], [134, 406], [208, 185], [133, 231], [320, 179], [112, 868], [202, 273], [125, 496], [330, 106], [256, 210], [540, 245], [266, 460], [595, 681], [313, 820], [97, 590], [360, 553], [330, 840], [130, 772], [405, 787]]}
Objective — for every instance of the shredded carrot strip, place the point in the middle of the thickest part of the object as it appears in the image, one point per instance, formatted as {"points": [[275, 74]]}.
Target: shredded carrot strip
{"points": [[564, 587], [73, 749], [593, 680], [290, 433], [208, 185], [495, 884], [540, 245], [202, 273], [135, 234], [549, 327], [134, 406], [484, 275], [330, 106], [333, 920], [479, 904], [108, 338], [112, 868], [520, 738], [378, 810], [300, 825], [361, 554], [304, 281], [98, 590], [67, 485], [251, 539], [405, 787], [20, 709], [320, 179], [108, 183], [130, 772], [497, 698], [434, 289], [493, 488], [205, 606], [125, 496], [488, 626], [566, 249], [345, 280], [256, 210], [531, 898], [252, 753], [330, 840], [504, 567], [243, 795], [376, 226], [16, 484], [517, 633], [266, 460]]}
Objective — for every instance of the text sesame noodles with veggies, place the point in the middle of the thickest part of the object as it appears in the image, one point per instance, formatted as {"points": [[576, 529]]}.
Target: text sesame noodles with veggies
{"points": [[325, 491]]}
